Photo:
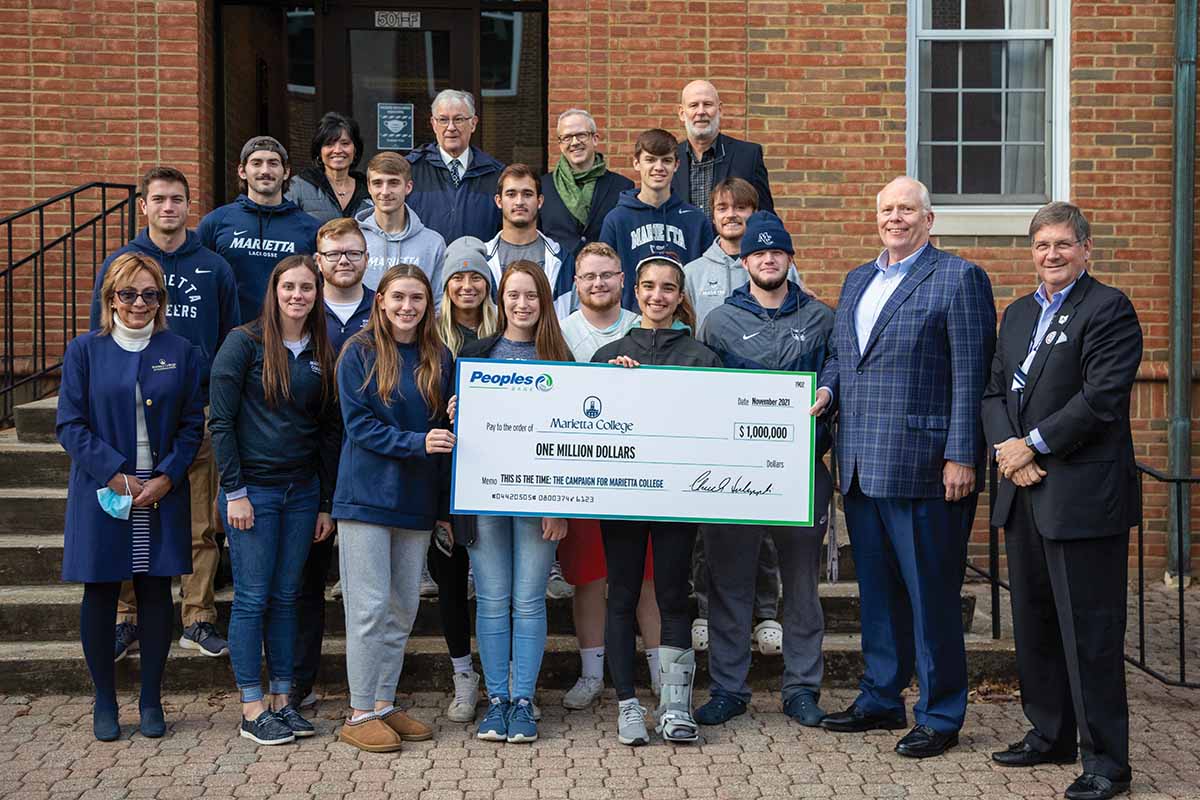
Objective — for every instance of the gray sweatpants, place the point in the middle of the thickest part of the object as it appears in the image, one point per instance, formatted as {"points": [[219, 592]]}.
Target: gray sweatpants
{"points": [[733, 557], [381, 589]]}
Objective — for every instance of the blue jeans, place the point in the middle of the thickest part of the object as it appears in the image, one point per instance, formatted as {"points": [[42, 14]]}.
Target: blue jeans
{"points": [[512, 566], [268, 567]]}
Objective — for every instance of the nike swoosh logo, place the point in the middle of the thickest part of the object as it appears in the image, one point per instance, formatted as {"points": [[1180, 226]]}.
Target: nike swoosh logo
{"points": [[685, 211], [746, 336], [203, 271], [239, 233]]}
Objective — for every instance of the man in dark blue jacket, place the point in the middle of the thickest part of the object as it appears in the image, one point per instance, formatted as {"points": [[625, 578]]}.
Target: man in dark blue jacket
{"points": [[581, 190], [260, 227], [202, 307], [454, 183], [709, 156]]}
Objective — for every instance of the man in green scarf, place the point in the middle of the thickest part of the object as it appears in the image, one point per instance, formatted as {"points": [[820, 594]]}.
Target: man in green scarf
{"points": [[581, 190]]}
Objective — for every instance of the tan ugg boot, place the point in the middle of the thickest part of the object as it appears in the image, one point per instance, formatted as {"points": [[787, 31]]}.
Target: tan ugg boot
{"points": [[407, 728], [372, 735]]}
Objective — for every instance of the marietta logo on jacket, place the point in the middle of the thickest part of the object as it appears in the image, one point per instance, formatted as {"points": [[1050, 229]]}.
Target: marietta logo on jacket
{"points": [[184, 297], [656, 232], [261, 247]]}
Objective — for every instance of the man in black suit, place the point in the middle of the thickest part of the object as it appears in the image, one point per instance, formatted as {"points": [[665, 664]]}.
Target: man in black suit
{"points": [[1057, 412], [709, 156], [581, 190]]}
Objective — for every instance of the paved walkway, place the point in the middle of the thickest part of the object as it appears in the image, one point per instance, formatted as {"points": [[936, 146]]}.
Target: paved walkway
{"points": [[47, 751]]}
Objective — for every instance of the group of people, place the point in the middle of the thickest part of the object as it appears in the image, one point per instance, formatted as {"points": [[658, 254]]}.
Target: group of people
{"points": [[290, 367]]}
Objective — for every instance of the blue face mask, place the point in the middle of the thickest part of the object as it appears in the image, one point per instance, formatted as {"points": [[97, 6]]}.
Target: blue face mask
{"points": [[116, 505]]}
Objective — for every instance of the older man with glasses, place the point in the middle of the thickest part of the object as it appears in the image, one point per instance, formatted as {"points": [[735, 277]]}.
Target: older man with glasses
{"points": [[454, 182], [581, 190]]}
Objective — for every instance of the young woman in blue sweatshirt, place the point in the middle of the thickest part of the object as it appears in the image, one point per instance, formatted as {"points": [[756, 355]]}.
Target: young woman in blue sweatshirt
{"points": [[511, 556], [394, 379], [276, 432]]}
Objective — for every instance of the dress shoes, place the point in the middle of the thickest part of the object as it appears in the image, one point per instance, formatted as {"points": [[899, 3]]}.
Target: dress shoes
{"points": [[924, 742], [1090, 786], [854, 720], [1022, 755]]}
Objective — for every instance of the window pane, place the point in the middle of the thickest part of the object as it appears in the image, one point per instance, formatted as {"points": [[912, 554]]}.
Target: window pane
{"points": [[943, 113], [513, 106], [496, 68], [981, 170], [982, 64], [1025, 170], [1026, 65], [942, 61], [1029, 14], [981, 116], [944, 161], [943, 14], [1026, 117], [985, 13]]}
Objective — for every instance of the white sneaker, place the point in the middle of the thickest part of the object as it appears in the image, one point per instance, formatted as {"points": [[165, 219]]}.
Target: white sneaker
{"points": [[557, 588], [631, 725], [466, 697], [585, 692], [429, 587]]}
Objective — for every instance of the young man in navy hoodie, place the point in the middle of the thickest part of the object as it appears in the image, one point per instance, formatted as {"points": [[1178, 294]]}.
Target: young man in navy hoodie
{"points": [[202, 307], [260, 227], [649, 221]]}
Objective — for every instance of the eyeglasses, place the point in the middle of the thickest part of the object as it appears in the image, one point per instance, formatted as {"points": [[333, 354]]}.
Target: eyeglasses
{"points": [[1043, 248], [334, 256], [442, 122], [571, 138], [592, 277], [151, 297]]}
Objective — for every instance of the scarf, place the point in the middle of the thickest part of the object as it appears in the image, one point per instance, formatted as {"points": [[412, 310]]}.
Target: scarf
{"points": [[575, 189]]}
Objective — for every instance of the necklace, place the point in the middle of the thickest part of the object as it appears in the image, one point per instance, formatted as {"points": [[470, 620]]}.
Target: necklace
{"points": [[342, 192]]}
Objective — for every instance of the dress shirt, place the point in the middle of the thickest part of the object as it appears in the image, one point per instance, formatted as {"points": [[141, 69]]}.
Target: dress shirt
{"points": [[1050, 307], [464, 160], [883, 284]]}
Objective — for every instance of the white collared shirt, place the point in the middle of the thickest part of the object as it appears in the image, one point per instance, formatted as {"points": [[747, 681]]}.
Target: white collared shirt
{"points": [[464, 160], [883, 284]]}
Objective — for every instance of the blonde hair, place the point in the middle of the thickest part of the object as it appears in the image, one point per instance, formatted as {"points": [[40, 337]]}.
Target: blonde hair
{"points": [[120, 274], [450, 335]]}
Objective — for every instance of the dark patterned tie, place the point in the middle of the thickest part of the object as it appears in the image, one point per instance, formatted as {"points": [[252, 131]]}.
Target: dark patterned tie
{"points": [[455, 172]]}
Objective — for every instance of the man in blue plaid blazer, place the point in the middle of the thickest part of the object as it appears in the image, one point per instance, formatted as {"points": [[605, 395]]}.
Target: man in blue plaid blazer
{"points": [[909, 357]]}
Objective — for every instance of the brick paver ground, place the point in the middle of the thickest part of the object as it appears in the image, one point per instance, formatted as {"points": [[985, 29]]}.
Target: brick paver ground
{"points": [[47, 751]]}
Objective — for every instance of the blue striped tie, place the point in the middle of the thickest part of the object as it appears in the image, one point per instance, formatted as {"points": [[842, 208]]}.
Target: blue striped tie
{"points": [[455, 172]]}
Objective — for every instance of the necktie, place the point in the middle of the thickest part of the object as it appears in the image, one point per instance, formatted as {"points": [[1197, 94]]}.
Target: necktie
{"points": [[455, 172]]}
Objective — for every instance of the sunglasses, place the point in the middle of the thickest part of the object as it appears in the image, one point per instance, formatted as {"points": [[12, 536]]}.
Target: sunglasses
{"points": [[151, 297]]}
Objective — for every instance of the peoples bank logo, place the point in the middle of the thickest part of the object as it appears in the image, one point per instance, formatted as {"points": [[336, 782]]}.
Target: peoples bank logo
{"points": [[544, 383], [511, 380]]}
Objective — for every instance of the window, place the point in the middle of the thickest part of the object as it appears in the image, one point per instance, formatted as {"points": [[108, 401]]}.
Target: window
{"points": [[988, 104], [499, 53]]}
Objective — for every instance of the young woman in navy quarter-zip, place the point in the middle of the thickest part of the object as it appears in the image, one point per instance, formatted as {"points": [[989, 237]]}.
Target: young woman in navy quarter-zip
{"points": [[130, 416], [276, 434], [394, 379]]}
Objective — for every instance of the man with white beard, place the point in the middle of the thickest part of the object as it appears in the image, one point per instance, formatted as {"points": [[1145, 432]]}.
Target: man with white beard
{"points": [[709, 156]]}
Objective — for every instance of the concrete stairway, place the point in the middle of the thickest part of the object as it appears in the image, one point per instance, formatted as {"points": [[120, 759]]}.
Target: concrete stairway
{"points": [[39, 615]]}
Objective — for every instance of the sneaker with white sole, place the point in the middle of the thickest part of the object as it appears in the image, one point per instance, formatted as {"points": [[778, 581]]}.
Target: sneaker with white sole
{"points": [[557, 587], [203, 636], [537, 712], [126, 641], [429, 587], [522, 724], [583, 694], [466, 697], [267, 729], [631, 724]]}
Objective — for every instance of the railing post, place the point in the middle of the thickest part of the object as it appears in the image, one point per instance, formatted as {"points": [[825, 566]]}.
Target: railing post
{"points": [[993, 548]]}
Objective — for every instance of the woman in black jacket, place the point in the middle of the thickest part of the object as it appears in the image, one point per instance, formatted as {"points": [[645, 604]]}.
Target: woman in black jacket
{"points": [[663, 337]]}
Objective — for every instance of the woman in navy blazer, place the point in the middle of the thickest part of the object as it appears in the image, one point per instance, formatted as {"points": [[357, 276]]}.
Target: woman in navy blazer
{"points": [[130, 416]]}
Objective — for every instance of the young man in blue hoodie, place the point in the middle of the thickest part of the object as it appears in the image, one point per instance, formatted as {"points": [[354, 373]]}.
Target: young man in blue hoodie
{"points": [[260, 227], [202, 307], [650, 221]]}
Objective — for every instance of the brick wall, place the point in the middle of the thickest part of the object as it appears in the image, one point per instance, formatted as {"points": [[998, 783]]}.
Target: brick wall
{"points": [[822, 87]]}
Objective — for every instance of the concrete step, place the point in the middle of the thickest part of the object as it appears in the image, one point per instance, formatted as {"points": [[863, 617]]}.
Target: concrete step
{"points": [[24, 464], [34, 511], [51, 612], [35, 421], [30, 559], [59, 668]]}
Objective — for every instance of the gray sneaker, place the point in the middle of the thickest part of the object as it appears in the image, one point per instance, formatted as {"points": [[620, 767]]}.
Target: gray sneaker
{"points": [[583, 693], [203, 636], [631, 724]]}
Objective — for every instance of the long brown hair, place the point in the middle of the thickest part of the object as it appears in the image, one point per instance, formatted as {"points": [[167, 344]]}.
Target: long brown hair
{"points": [[547, 337], [377, 335], [276, 375], [684, 311]]}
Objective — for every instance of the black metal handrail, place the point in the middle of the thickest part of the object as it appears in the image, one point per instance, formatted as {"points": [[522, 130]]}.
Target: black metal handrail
{"points": [[28, 256], [992, 573]]}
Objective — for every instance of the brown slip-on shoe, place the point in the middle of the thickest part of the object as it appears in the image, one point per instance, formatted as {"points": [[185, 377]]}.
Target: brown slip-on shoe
{"points": [[407, 728], [371, 735]]}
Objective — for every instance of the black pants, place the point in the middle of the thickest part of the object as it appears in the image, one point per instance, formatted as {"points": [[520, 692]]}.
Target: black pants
{"points": [[450, 573], [1068, 600], [156, 611], [310, 617], [625, 552]]}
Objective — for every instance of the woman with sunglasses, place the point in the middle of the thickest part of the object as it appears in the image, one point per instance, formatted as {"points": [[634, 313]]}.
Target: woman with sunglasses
{"points": [[128, 500], [276, 433]]}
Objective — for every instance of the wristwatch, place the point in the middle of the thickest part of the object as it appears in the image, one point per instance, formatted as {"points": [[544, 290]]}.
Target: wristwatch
{"points": [[1029, 443]]}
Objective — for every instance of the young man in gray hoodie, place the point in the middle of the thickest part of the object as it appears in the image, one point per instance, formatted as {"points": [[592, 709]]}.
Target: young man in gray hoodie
{"points": [[394, 232]]}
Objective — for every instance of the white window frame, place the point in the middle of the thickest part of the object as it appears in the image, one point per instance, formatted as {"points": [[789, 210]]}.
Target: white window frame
{"points": [[517, 19], [997, 219]]}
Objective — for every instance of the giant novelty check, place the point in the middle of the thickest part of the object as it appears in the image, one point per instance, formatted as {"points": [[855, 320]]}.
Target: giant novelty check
{"points": [[538, 438]]}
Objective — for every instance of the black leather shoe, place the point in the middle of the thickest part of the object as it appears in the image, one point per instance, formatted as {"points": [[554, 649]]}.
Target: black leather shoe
{"points": [[854, 719], [1022, 755], [923, 742], [1090, 786]]}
